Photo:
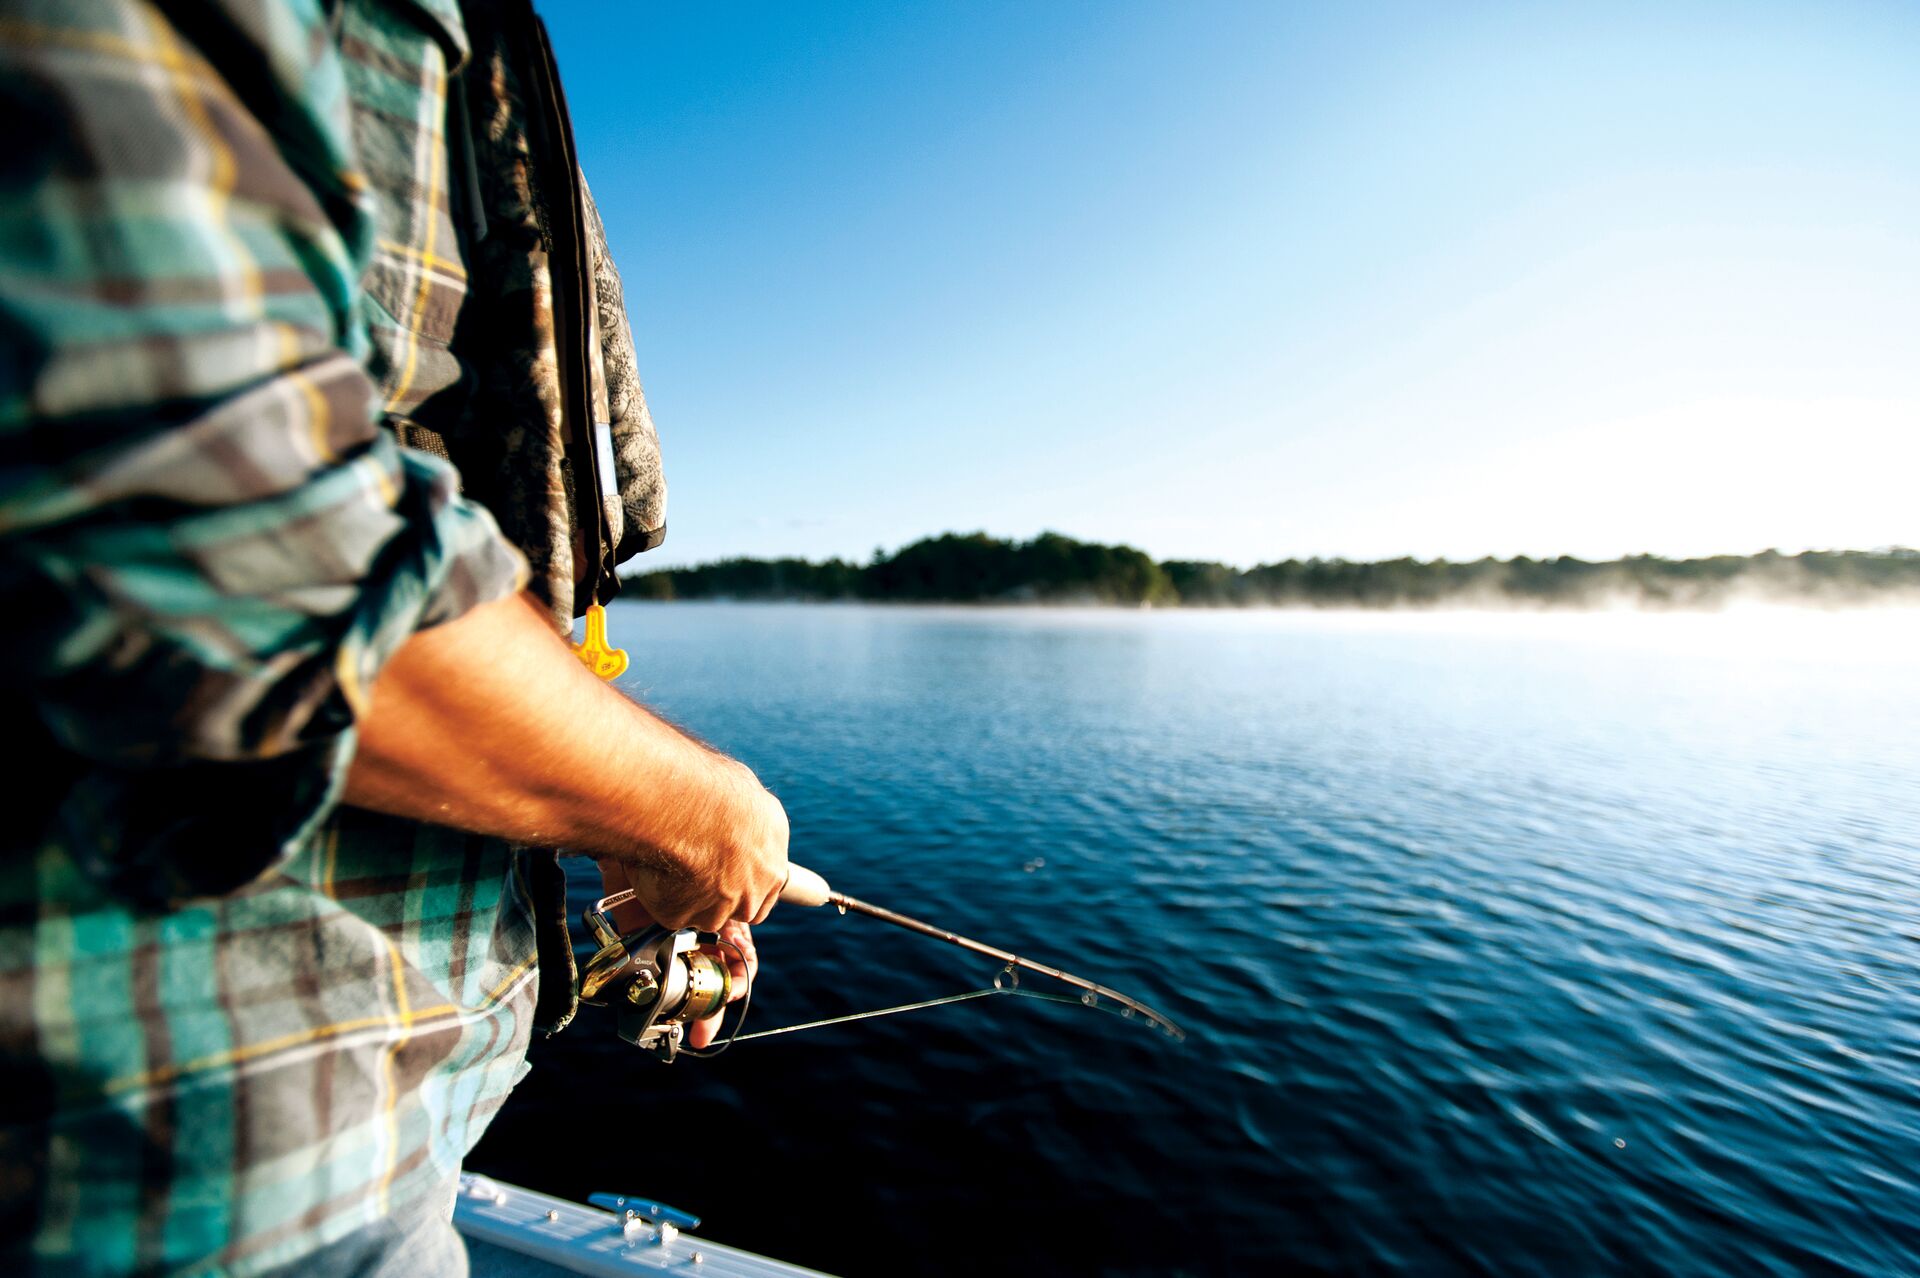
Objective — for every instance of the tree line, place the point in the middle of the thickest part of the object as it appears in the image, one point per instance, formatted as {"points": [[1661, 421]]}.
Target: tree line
{"points": [[1051, 568]]}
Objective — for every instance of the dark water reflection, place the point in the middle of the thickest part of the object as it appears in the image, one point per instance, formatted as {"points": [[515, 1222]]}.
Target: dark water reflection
{"points": [[1524, 947]]}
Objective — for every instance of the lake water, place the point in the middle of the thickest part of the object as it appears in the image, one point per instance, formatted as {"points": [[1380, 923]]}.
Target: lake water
{"points": [[1520, 945]]}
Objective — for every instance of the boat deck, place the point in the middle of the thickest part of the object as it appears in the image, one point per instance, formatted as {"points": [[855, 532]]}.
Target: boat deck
{"points": [[513, 1232]]}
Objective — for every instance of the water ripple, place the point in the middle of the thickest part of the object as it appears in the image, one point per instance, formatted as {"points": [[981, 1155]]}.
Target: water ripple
{"points": [[1499, 957]]}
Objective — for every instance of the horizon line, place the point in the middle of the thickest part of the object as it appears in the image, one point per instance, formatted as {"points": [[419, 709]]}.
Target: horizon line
{"points": [[637, 567]]}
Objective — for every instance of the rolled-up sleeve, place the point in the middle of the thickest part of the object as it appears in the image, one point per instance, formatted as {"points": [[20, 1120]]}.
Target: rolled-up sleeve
{"points": [[208, 547]]}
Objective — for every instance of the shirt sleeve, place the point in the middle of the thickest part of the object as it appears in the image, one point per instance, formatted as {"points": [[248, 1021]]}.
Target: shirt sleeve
{"points": [[208, 547]]}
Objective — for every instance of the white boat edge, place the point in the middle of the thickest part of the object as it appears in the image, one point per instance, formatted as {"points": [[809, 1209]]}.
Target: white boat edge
{"points": [[522, 1233]]}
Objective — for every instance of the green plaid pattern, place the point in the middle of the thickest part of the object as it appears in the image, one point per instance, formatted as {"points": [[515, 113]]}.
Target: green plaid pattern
{"points": [[224, 1087], [235, 1024]]}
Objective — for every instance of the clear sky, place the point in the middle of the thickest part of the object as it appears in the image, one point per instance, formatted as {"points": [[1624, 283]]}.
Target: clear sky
{"points": [[1246, 282]]}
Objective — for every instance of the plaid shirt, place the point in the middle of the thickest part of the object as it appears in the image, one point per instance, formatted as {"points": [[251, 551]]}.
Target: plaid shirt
{"points": [[235, 1024]]}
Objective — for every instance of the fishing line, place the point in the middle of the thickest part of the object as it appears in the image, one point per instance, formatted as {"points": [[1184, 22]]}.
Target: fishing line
{"points": [[988, 992]]}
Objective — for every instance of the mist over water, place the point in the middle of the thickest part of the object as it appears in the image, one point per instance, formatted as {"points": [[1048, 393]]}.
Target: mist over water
{"points": [[1507, 943]]}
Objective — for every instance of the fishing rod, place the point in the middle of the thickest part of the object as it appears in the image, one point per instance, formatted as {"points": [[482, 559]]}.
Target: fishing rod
{"points": [[660, 980]]}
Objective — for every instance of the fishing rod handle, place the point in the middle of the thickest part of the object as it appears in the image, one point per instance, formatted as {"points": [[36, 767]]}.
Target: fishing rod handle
{"points": [[804, 887]]}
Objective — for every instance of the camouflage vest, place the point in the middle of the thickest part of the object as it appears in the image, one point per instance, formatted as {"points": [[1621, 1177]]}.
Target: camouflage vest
{"points": [[522, 368]]}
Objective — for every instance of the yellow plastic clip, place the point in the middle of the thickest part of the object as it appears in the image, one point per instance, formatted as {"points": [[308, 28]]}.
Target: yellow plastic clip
{"points": [[594, 654]]}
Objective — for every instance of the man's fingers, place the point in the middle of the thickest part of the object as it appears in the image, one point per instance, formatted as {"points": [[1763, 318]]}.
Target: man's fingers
{"points": [[632, 916], [735, 946], [745, 961], [740, 936]]}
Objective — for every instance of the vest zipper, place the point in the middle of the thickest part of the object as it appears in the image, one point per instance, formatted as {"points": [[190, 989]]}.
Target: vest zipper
{"points": [[571, 275]]}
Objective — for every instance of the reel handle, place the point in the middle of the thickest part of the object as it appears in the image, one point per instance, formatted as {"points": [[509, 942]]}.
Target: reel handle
{"points": [[804, 887]]}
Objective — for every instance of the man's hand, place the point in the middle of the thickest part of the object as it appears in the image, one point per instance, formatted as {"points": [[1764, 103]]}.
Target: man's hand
{"points": [[743, 961], [741, 848], [490, 724]]}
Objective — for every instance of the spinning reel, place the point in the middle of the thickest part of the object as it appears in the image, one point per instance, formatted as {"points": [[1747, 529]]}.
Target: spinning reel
{"points": [[656, 980]]}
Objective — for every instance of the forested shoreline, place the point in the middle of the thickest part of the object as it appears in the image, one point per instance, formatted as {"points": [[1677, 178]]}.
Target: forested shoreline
{"points": [[1055, 569]]}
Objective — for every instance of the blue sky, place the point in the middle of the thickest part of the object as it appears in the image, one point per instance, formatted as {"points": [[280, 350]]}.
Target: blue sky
{"points": [[1245, 282]]}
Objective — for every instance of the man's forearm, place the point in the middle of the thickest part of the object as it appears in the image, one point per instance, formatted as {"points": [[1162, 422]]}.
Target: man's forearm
{"points": [[490, 724]]}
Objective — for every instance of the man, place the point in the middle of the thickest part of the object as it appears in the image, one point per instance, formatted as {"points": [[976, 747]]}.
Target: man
{"points": [[243, 1028]]}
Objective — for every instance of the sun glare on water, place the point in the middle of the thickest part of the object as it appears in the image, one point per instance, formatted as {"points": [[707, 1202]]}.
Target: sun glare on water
{"points": [[1870, 635]]}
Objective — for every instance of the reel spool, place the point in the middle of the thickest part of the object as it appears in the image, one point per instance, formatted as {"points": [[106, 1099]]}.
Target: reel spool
{"points": [[655, 980]]}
